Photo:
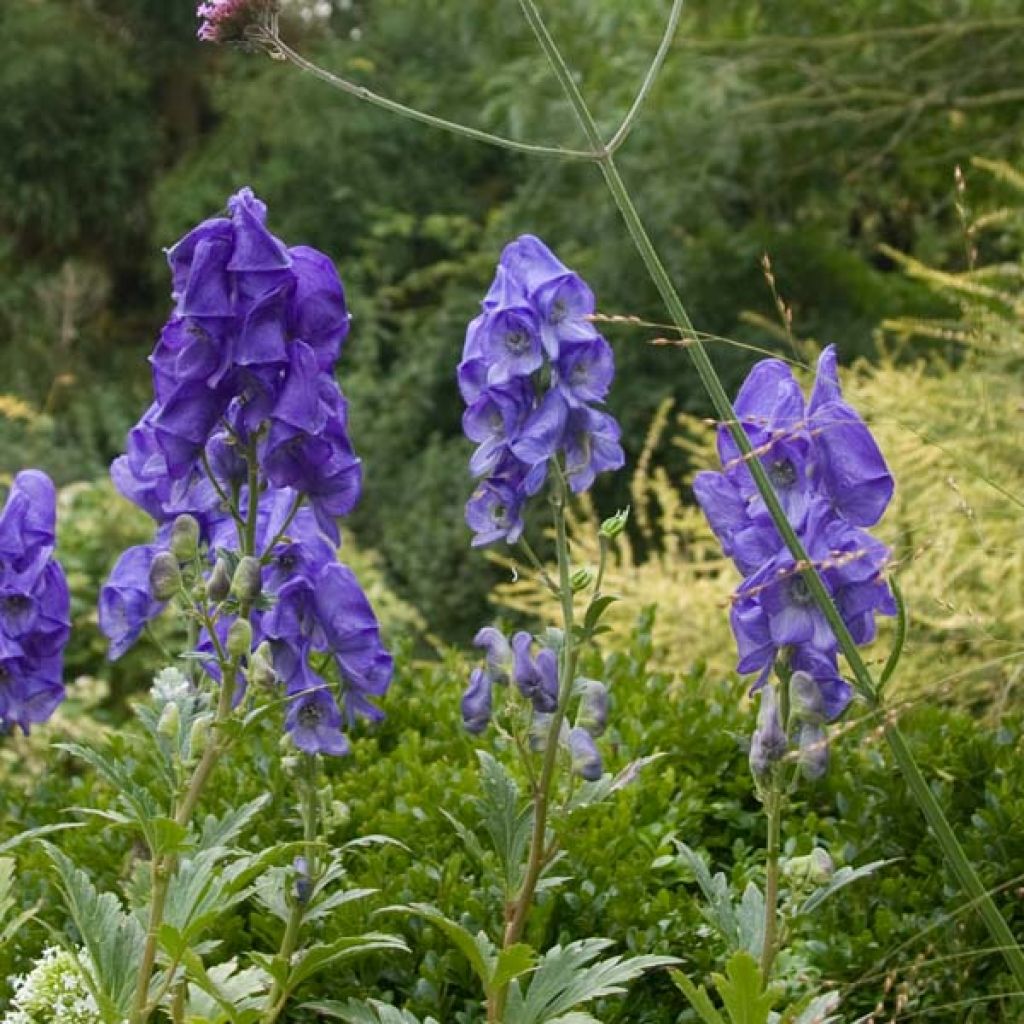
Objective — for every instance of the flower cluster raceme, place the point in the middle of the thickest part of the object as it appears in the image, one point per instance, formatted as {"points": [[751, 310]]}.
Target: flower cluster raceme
{"points": [[534, 373], [533, 669], [34, 604], [832, 482], [247, 440]]}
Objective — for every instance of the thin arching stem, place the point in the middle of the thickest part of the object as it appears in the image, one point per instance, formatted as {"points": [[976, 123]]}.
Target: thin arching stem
{"points": [[951, 848], [278, 46], [652, 73]]}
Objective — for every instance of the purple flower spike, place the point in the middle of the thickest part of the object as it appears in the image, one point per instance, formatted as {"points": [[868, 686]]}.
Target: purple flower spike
{"points": [[248, 419], [831, 480], [533, 373]]}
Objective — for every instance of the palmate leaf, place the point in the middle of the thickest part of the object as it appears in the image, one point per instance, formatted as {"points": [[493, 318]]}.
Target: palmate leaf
{"points": [[508, 820], [568, 976], [741, 988], [112, 938], [719, 909], [200, 891], [371, 1012], [224, 993], [224, 830], [144, 809], [743, 992], [698, 998]]}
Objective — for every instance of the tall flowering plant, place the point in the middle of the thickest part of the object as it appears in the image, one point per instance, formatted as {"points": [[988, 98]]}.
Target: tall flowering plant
{"points": [[244, 462], [534, 376], [832, 483]]}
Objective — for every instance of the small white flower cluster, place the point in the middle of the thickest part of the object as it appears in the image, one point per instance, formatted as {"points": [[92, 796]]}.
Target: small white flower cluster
{"points": [[170, 684], [53, 992]]}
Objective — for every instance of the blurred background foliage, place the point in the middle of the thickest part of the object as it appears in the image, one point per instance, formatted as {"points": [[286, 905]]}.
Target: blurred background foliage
{"points": [[824, 135]]}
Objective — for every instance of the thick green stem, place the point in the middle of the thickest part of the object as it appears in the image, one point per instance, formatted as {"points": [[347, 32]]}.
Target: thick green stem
{"points": [[520, 908], [773, 817], [278, 997], [713, 385]]}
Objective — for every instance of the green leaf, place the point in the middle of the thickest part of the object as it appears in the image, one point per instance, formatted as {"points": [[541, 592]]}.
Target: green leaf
{"points": [[8, 903], [224, 993], [814, 1010], [842, 878], [36, 833], [568, 976], [513, 962], [113, 939], [596, 610], [225, 829], [742, 990], [750, 920], [202, 889], [144, 808], [314, 959], [477, 949], [508, 821], [698, 998], [719, 910]]}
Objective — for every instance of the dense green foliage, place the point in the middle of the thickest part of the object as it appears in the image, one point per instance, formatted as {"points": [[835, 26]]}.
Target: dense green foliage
{"points": [[623, 877], [815, 133]]}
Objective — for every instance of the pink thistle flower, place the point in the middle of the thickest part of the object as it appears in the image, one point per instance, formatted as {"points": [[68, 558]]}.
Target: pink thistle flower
{"points": [[222, 21]]}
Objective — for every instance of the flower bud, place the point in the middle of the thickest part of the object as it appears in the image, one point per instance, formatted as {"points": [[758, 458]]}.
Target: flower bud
{"points": [[614, 525], [248, 579], [239, 642], [822, 869], [805, 700], [768, 744], [814, 869], [581, 579], [476, 702], [164, 576], [586, 760], [185, 538], [199, 735], [540, 726], [303, 888], [170, 721], [261, 666], [593, 713], [813, 755], [218, 586]]}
